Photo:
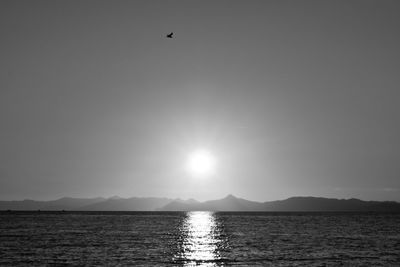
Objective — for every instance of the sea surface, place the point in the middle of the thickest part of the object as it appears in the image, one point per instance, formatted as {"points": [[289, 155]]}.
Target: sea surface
{"points": [[199, 239]]}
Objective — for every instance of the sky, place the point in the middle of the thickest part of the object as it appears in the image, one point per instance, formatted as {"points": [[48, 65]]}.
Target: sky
{"points": [[292, 98]]}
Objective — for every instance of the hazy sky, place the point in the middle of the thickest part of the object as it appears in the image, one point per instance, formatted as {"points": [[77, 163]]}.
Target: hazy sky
{"points": [[292, 98]]}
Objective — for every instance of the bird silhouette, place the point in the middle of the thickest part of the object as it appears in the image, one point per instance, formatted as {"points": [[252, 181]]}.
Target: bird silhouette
{"points": [[170, 35]]}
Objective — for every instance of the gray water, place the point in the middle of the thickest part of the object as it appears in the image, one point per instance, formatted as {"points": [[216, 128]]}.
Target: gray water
{"points": [[199, 239]]}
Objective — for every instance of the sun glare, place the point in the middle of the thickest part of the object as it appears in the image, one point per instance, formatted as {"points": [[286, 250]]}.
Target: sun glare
{"points": [[201, 162]]}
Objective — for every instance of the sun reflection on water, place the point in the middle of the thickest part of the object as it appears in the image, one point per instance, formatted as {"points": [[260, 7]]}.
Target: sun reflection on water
{"points": [[200, 240]]}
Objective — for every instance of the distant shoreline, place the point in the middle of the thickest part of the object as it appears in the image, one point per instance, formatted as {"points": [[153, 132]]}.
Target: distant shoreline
{"points": [[229, 203], [270, 213]]}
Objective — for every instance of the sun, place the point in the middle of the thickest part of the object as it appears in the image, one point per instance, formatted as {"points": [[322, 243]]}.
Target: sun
{"points": [[201, 162]]}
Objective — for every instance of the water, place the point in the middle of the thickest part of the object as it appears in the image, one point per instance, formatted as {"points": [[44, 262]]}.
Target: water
{"points": [[199, 239]]}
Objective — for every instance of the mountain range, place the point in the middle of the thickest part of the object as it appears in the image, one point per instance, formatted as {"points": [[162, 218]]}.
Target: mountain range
{"points": [[229, 203]]}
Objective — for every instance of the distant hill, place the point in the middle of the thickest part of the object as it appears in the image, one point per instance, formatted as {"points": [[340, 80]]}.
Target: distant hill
{"points": [[114, 203], [329, 204], [65, 203], [128, 204], [229, 203], [232, 203]]}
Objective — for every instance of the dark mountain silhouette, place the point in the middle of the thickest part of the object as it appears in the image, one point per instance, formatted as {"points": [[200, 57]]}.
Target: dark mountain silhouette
{"points": [[128, 204], [232, 203], [229, 203], [329, 204], [65, 203]]}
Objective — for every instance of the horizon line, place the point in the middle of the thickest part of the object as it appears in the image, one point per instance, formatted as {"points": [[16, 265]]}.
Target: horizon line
{"points": [[186, 199]]}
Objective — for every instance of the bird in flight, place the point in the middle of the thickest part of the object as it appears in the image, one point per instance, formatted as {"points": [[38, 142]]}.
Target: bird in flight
{"points": [[170, 35]]}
